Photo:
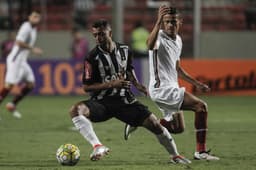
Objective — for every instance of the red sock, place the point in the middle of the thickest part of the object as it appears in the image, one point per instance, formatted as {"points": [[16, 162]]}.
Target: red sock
{"points": [[4, 92], [201, 130]]}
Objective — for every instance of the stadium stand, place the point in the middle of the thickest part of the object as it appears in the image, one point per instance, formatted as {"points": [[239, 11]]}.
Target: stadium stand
{"points": [[227, 15]]}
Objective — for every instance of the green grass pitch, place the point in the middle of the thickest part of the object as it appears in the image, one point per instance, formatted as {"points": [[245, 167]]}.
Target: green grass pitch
{"points": [[31, 143]]}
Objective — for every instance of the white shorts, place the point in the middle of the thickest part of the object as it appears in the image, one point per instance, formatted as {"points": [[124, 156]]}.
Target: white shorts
{"points": [[17, 72], [169, 99]]}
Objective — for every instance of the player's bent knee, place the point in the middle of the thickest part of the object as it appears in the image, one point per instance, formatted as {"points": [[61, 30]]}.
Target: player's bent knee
{"points": [[202, 107], [79, 109], [73, 111]]}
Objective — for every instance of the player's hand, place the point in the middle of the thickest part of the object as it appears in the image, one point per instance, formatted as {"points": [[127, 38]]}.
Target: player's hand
{"points": [[121, 83], [142, 89], [203, 87], [163, 10], [37, 51]]}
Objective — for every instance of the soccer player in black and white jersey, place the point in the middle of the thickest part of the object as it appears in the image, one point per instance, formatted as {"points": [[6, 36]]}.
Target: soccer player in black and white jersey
{"points": [[165, 47], [18, 68], [108, 75]]}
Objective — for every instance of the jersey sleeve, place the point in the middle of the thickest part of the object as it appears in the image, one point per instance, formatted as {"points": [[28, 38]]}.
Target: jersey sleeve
{"points": [[90, 72], [87, 72], [23, 33]]}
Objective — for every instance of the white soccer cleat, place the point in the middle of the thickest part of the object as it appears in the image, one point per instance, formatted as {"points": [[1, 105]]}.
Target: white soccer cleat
{"points": [[180, 160], [205, 156], [12, 108], [16, 114], [128, 129], [99, 152]]}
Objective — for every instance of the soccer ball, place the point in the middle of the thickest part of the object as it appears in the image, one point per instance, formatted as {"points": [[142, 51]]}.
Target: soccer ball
{"points": [[68, 154]]}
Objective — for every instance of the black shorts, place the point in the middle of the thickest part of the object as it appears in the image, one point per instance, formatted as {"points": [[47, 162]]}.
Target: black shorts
{"points": [[101, 110]]}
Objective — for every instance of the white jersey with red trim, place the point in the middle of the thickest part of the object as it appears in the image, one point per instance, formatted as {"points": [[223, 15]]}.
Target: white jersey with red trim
{"points": [[26, 34], [164, 89], [162, 61]]}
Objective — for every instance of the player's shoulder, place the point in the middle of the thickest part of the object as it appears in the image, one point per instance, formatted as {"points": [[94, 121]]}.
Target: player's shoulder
{"points": [[26, 25], [179, 39], [121, 45], [92, 55], [161, 33]]}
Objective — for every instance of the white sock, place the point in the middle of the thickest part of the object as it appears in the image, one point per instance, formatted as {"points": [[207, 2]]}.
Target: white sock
{"points": [[168, 142], [85, 127]]}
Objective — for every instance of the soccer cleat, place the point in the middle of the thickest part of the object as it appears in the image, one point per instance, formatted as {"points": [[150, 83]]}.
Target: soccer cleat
{"points": [[205, 155], [128, 129], [12, 108], [180, 160], [16, 114], [99, 152]]}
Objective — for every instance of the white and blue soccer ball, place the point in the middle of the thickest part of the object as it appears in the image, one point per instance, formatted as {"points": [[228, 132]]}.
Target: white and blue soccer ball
{"points": [[68, 154]]}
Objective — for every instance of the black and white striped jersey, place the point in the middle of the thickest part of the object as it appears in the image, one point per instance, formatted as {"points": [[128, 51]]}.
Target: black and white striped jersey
{"points": [[100, 67]]}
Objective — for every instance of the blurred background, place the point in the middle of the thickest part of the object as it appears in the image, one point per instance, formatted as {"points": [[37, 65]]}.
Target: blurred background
{"points": [[218, 39]]}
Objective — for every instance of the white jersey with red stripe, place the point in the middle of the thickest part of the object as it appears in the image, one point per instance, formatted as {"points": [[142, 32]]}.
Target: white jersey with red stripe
{"points": [[17, 67], [26, 34], [163, 84], [162, 61]]}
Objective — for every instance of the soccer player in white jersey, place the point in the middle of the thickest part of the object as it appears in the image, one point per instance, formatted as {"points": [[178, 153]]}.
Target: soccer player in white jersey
{"points": [[165, 47], [18, 68]]}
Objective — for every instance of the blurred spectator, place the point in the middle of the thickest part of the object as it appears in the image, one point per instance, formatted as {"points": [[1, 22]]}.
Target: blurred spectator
{"points": [[138, 40], [80, 45], [6, 22], [250, 15], [25, 8], [82, 8], [6, 45]]}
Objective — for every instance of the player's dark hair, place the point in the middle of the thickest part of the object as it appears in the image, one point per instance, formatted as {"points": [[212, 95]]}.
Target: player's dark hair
{"points": [[173, 11], [35, 12], [102, 23]]}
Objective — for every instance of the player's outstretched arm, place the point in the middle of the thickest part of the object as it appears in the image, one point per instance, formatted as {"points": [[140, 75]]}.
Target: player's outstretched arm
{"points": [[133, 78], [185, 76], [35, 50], [163, 10]]}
